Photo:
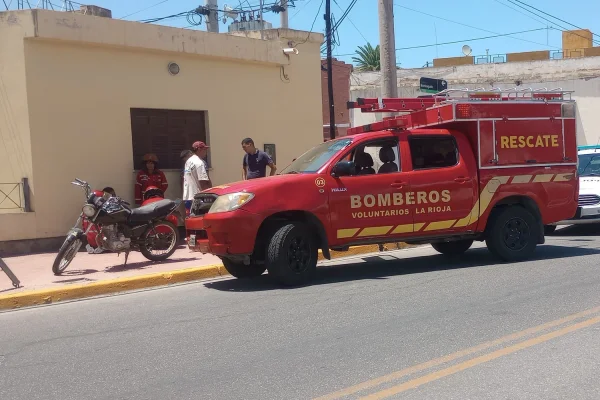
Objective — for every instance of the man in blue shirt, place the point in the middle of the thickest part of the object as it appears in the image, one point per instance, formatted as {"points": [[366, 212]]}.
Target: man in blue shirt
{"points": [[254, 164]]}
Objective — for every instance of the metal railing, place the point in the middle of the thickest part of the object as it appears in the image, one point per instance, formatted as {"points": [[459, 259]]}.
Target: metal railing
{"points": [[15, 196]]}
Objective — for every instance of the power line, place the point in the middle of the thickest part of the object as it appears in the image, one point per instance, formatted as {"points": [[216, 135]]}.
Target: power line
{"points": [[303, 7], [144, 9], [342, 18], [552, 16], [521, 12], [470, 26], [313, 24], [546, 19], [358, 30], [456, 41]]}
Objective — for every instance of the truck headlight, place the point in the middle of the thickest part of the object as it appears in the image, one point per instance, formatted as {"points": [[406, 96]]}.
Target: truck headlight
{"points": [[230, 202]]}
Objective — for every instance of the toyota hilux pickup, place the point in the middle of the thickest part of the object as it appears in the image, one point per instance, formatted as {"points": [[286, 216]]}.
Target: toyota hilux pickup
{"points": [[458, 167]]}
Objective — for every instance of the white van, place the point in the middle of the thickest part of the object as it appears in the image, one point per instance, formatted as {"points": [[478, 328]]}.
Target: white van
{"points": [[588, 211]]}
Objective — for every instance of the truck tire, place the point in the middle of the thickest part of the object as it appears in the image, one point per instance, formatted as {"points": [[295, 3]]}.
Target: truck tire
{"points": [[453, 248], [292, 255], [513, 234], [549, 229], [241, 271]]}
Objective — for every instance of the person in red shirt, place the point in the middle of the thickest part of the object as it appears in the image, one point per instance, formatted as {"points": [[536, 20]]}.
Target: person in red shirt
{"points": [[149, 175]]}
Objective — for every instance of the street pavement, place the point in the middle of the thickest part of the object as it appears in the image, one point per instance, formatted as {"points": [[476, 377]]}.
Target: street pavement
{"points": [[409, 324]]}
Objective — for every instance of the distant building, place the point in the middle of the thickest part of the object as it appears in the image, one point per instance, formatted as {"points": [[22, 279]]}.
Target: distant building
{"points": [[341, 95]]}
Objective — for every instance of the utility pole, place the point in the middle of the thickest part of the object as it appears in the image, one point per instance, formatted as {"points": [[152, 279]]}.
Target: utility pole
{"points": [[387, 48], [212, 20], [284, 14], [332, 129]]}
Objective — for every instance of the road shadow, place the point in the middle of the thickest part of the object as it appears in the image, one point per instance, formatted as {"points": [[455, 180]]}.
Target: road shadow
{"points": [[145, 264], [578, 230], [386, 264]]}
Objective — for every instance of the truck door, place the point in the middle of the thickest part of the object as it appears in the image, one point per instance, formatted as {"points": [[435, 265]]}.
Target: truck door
{"points": [[370, 203], [444, 182]]}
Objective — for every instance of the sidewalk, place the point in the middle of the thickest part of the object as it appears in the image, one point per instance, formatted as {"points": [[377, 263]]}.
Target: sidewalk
{"points": [[35, 271]]}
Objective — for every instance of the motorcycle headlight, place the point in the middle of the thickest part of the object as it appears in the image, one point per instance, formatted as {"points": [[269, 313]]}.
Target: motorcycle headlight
{"points": [[89, 210], [230, 202]]}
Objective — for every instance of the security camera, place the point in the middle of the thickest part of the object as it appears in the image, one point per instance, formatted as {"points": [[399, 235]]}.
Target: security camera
{"points": [[290, 50]]}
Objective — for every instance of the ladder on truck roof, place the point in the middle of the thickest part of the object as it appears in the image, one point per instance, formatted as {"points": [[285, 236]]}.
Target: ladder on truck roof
{"points": [[408, 105]]}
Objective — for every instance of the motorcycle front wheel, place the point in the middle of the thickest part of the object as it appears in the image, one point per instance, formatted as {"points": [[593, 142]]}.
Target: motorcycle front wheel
{"points": [[66, 254], [162, 239]]}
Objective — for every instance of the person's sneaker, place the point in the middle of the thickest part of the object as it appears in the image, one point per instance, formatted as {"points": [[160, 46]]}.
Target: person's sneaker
{"points": [[89, 249]]}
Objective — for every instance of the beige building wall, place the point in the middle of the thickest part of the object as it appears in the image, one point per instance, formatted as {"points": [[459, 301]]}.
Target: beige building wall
{"points": [[85, 73]]}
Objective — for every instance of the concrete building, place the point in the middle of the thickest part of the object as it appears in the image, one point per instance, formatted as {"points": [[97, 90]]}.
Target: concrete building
{"points": [[575, 68], [85, 96]]}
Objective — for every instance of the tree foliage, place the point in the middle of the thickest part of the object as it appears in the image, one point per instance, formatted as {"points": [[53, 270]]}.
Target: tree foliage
{"points": [[368, 58]]}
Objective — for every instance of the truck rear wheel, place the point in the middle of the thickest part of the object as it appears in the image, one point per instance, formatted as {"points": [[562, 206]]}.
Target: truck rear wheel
{"points": [[453, 248], [292, 255], [241, 271], [513, 234]]}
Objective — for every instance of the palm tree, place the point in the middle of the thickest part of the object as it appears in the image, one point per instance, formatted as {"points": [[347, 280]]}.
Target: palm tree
{"points": [[368, 58]]}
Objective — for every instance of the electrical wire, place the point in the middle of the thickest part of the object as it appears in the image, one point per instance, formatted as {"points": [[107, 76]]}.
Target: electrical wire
{"points": [[313, 25], [521, 12], [469, 26], [339, 22], [552, 16], [358, 30], [456, 41], [546, 19], [144, 9]]}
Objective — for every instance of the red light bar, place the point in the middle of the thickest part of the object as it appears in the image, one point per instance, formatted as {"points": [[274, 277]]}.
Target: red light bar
{"points": [[407, 104]]}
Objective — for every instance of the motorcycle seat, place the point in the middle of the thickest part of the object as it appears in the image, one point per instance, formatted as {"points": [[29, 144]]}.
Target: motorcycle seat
{"points": [[151, 211]]}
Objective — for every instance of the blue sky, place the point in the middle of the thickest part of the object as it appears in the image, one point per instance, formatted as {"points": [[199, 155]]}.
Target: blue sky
{"points": [[470, 20]]}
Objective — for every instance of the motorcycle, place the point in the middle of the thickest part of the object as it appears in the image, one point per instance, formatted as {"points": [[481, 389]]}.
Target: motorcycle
{"points": [[121, 229], [152, 194]]}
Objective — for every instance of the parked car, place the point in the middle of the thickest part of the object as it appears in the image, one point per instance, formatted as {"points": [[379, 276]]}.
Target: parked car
{"points": [[588, 207]]}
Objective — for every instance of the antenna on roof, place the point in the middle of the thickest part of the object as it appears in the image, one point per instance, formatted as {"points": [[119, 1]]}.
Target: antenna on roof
{"points": [[466, 49]]}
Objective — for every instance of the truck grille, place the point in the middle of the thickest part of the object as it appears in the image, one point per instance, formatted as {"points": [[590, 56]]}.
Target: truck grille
{"points": [[202, 203], [588, 199]]}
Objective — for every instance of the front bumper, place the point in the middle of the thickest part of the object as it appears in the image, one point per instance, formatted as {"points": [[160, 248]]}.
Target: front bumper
{"points": [[584, 215], [223, 234]]}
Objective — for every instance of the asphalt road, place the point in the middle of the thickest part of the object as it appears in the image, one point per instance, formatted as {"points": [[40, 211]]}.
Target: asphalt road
{"points": [[410, 325]]}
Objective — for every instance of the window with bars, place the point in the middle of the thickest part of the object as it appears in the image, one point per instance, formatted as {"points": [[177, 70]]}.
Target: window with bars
{"points": [[165, 133]]}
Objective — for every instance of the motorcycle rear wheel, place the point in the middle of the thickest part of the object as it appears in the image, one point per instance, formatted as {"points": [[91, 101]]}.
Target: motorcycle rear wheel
{"points": [[172, 246], [66, 254]]}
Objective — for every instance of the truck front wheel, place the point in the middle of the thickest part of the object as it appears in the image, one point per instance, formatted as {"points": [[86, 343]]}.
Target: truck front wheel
{"points": [[512, 234], [292, 255], [241, 271], [452, 248]]}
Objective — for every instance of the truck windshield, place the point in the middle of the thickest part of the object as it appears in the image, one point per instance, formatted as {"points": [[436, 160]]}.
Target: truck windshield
{"points": [[589, 164], [315, 158]]}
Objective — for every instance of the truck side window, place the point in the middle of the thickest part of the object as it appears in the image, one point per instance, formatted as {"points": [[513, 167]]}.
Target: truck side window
{"points": [[433, 152], [377, 157]]}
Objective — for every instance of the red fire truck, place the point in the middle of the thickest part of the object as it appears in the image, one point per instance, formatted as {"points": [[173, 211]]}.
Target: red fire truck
{"points": [[450, 169]]}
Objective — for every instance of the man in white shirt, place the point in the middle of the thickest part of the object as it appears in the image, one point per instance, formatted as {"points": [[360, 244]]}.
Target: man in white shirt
{"points": [[195, 173]]}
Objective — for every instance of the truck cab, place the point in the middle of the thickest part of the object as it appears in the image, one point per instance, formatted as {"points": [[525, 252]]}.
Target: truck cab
{"points": [[447, 170]]}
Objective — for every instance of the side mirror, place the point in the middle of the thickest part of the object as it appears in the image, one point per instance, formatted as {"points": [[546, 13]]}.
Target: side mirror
{"points": [[344, 168]]}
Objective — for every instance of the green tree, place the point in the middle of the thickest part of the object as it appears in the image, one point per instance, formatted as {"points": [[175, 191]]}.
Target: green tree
{"points": [[368, 58]]}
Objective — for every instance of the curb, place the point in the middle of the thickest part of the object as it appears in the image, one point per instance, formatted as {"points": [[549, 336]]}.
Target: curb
{"points": [[62, 293]]}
